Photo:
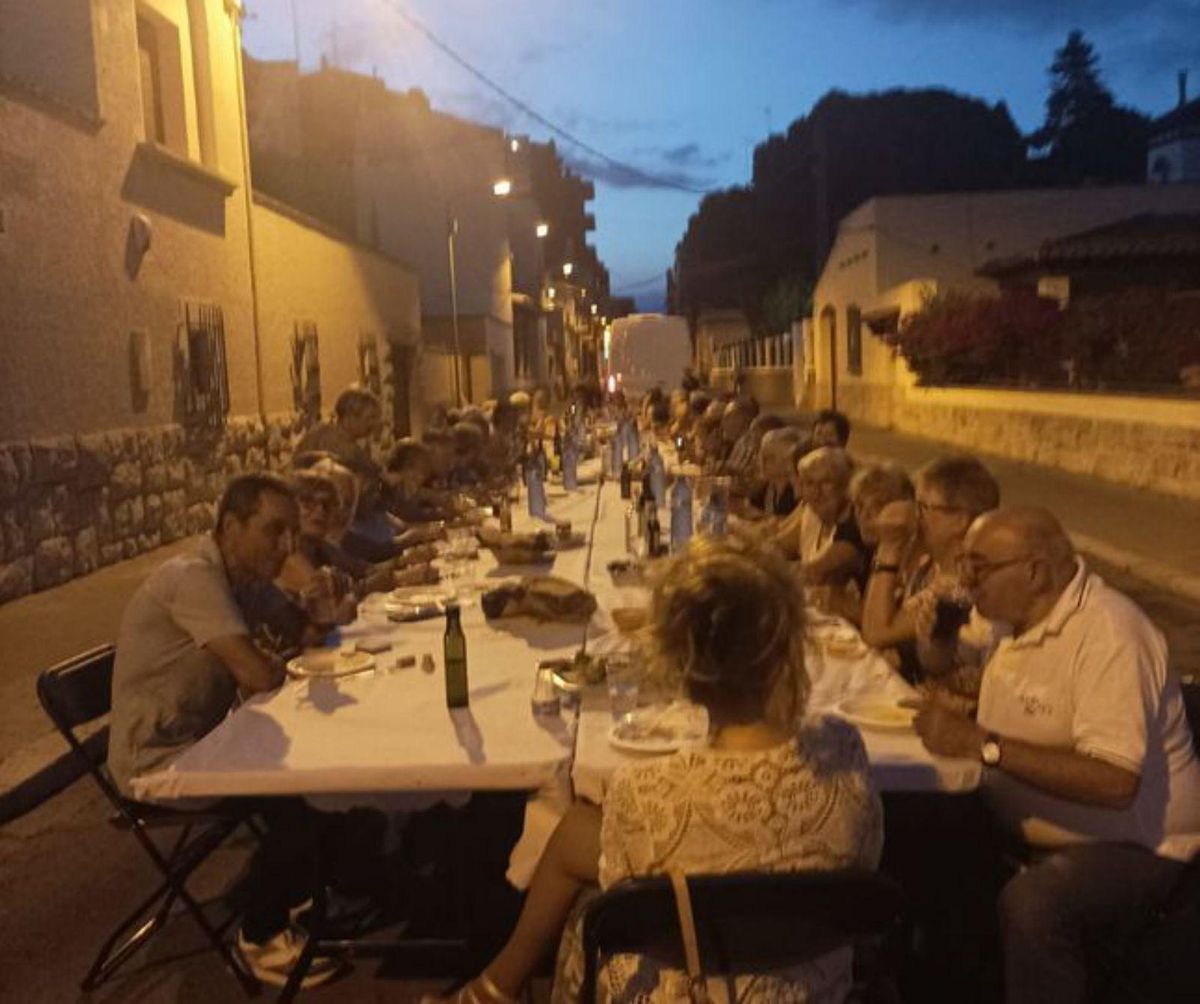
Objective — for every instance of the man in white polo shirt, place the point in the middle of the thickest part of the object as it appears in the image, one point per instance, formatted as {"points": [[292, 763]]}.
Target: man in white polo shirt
{"points": [[1089, 755]]}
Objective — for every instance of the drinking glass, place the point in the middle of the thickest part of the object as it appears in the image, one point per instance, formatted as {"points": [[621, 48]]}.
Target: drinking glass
{"points": [[623, 676]]}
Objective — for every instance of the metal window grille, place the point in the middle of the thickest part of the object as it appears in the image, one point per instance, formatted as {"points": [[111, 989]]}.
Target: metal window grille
{"points": [[370, 373], [306, 370], [202, 372]]}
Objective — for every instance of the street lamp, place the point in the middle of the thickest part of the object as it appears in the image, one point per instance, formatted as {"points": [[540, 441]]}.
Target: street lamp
{"points": [[502, 187], [568, 268], [542, 229]]}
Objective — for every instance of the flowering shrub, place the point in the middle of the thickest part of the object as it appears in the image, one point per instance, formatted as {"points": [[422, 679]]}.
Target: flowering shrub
{"points": [[1133, 337]]}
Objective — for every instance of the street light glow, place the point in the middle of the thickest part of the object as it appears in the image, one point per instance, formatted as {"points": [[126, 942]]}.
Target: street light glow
{"points": [[568, 268], [514, 145], [502, 187], [550, 292], [542, 229], [595, 309]]}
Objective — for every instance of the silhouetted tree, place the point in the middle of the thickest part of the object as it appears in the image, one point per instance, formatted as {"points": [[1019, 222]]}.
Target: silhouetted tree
{"points": [[760, 248], [1086, 136]]}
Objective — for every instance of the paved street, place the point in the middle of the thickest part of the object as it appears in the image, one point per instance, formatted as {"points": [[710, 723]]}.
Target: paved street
{"points": [[67, 877]]}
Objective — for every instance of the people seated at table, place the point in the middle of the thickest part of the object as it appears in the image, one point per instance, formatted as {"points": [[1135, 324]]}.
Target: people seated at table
{"points": [[915, 566], [1090, 763], [318, 545], [186, 649], [873, 488], [409, 473], [440, 445], [726, 622], [357, 416], [822, 533], [831, 428], [774, 495], [737, 444]]}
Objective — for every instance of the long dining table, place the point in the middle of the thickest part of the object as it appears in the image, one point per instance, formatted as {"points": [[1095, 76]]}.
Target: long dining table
{"points": [[387, 732]]}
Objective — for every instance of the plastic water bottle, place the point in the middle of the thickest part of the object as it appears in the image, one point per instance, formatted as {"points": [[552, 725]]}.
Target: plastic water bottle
{"points": [[658, 476], [570, 460], [633, 445], [713, 515], [535, 480], [681, 514]]}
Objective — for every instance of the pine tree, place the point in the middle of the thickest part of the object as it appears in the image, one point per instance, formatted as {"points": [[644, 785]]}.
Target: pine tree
{"points": [[1076, 93]]}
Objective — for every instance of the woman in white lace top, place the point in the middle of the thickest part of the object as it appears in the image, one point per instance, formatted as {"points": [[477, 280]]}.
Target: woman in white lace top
{"points": [[766, 794]]}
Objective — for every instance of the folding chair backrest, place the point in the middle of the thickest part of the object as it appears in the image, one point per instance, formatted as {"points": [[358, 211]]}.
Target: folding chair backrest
{"points": [[745, 921], [78, 690], [1191, 706]]}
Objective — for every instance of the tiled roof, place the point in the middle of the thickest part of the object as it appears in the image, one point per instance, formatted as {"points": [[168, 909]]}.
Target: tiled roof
{"points": [[1145, 236]]}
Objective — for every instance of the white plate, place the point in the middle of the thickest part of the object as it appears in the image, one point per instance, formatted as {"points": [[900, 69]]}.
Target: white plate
{"points": [[878, 713], [330, 662], [660, 728]]}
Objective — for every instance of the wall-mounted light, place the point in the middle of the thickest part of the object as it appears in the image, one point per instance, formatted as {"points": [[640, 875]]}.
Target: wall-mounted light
{"points": [[502, 187], [595, 310], [550, 292], [542, 229], [514, 145], [568, 268]]}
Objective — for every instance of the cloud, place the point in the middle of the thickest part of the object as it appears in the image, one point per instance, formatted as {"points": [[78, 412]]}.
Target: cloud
{"points": [[1024, 14], [632, 176], [691, 155]]}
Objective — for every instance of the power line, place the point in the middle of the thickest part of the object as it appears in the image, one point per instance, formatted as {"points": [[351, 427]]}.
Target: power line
{"points": [[534, 114]]}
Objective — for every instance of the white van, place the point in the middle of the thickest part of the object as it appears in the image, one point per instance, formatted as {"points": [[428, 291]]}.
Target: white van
{"points": [[647, 350]]}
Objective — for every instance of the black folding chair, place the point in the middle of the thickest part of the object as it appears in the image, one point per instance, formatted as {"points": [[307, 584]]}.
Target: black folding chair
{"points": [[1157, 964], [79, 691], [746, 922]]}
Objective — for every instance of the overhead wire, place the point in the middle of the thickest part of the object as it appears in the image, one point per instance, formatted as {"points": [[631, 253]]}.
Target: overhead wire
{"points": [[657, 181]]}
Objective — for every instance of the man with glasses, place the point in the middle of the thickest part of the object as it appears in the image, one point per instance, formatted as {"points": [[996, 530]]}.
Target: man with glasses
{"points": [[1090, 761]]}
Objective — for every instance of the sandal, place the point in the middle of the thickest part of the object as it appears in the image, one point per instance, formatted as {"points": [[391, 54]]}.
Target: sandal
{"points": [[480, 990]]}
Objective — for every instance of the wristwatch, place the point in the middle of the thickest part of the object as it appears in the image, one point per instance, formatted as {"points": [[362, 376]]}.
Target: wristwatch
{"points": [[989, 750]]}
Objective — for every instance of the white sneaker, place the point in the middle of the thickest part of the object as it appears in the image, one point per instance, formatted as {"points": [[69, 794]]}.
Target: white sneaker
{"points": [[273, 960]]}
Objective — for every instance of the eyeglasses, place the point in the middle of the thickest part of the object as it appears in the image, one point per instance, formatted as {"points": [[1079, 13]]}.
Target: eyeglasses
{"points": [[976, 570], [927, 507]]}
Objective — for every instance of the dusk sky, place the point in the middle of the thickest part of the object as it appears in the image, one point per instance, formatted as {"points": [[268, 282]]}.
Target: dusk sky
{"points": [[684, 89]]}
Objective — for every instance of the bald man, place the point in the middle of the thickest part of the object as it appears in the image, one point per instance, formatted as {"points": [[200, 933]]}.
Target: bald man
{"points": [[1089, 758]]}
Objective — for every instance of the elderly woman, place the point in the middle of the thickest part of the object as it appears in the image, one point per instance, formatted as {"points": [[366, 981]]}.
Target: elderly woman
{"points": [[325, 494], [822, 532], [725, 620]]}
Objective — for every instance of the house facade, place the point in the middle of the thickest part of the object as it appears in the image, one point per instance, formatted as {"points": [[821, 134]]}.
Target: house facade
{"points": [[163, 327], [893, 252]]}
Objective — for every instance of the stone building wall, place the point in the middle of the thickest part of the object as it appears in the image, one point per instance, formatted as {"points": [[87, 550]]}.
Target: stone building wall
{"points": [[72, 504]]}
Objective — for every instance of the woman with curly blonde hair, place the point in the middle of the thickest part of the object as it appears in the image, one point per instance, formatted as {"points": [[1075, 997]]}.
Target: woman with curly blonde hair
{"points": [[771, 791]]}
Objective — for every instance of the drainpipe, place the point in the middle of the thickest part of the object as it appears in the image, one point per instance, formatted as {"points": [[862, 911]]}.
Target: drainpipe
{"points": [[235, 9]]}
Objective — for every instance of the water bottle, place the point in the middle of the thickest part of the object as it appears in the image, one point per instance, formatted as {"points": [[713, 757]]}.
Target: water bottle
{"points": [[681, 514], [713, 515], [535, 480], [618, 449], [658, 476], [630, 536], [455, 650], [570, 461], [632, 444], [626, 481]]}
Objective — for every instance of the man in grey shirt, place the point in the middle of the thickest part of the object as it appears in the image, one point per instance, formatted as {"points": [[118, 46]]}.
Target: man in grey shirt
{"points": [[184, 653]]}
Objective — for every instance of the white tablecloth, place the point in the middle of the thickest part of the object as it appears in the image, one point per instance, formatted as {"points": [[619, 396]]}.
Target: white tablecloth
{"points": [[390, 730]]}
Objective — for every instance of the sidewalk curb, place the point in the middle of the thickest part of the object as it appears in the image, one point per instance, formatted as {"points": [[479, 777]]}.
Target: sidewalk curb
{"points": [[1147, 569]]}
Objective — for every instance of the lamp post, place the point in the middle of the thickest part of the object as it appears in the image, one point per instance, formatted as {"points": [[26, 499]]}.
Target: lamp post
{"points": [[451, 232]]}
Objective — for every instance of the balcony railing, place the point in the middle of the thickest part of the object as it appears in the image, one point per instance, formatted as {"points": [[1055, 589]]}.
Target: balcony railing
{"points": [[770, 352]]}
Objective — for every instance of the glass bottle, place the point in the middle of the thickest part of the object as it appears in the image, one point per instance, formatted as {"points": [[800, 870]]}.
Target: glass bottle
{"points": [[455, 648]]}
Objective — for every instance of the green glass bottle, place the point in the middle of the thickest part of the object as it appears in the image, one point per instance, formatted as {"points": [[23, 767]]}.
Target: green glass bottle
{"points": [[455, 646]]}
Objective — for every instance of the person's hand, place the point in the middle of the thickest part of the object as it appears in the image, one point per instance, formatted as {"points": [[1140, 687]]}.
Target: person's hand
{"points": [[419, 555], [420, 535], [896, 523], [944, 730]]}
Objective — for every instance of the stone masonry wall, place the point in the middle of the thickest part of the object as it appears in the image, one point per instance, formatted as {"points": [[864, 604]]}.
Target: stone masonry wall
{"points": [[72, 504]]}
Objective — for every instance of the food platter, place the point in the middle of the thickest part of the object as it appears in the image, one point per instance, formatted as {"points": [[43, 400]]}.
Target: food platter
{"points": [[660, 728], [329, 662]]}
